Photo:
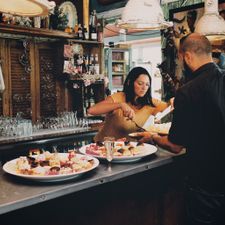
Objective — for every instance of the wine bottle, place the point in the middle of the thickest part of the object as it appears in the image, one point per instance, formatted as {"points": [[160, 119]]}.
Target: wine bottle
{"points": [[100, 32], [91, 64], [93, 26], [85, 33], [84, 65], [80, 32], [96, 64]]}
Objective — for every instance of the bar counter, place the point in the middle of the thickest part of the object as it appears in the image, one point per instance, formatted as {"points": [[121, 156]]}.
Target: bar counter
{"points": [[116, 188], [17, 193], [46, 133], [13, 147]]}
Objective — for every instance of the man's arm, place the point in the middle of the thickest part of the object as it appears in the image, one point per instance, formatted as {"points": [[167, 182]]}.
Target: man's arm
{"points": [[161, 141]]}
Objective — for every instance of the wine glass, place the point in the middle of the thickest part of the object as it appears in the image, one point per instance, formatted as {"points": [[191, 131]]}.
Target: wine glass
{"points": [[109, 146]]}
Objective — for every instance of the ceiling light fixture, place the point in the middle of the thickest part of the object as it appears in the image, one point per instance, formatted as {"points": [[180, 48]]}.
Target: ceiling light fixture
{"points": [[211, 24], [143, 15], [29, 8]]}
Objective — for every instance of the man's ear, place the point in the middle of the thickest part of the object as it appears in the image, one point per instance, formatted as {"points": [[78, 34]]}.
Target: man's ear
{"points": [[188, 57]]}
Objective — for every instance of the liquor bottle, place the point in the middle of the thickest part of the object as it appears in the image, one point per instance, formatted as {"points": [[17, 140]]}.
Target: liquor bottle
{"points": [[91, 64], [86, 58], [93, 26], [90, 24], [100, 32], [84, 65], [85, 33], [90, 19], [76, 30], [80, 32], [96, 64], [78, 63]]}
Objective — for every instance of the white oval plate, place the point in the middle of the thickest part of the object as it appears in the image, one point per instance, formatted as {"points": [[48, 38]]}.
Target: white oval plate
{"points": [[145, 150], [69, 9], [10, 168]]}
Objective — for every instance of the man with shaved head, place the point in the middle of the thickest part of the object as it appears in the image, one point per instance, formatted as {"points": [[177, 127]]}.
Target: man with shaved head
{"points": [[199, 126]]}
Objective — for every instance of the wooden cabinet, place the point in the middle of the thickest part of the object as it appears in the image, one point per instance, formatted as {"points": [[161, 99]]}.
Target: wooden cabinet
{"points": [[31, 73], [118, 66], [32, 65]]}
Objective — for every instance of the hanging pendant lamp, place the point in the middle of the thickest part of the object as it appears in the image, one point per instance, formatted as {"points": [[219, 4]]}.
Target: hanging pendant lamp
{"points": [[211, 24], [143, 15], [29, 8]]}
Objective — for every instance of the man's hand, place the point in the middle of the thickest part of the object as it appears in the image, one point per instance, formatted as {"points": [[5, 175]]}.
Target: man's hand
{"points": [[162, 141], [145, 137]]}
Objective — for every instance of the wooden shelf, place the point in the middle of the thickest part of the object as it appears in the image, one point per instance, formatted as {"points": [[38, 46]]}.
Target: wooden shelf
{"points": [[30, 31], [6, 31], [41, 92]]}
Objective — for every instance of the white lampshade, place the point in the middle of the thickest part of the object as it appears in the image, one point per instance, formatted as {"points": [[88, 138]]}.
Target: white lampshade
{"points": [[143, 15], [211, 24], [28, 8]]}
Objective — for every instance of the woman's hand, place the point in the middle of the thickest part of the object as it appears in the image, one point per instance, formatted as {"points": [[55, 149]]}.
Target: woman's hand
{"points": [[171, 102], [127, 110]]}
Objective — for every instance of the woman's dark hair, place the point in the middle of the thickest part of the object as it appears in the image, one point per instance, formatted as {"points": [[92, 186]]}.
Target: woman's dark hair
{"points": [[128, 87]]}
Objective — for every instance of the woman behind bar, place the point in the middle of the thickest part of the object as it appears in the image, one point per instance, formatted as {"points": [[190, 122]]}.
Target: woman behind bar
{"points": [[123, 109]]}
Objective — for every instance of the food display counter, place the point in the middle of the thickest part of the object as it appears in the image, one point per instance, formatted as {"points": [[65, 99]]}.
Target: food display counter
{"points": [[116, 193]]}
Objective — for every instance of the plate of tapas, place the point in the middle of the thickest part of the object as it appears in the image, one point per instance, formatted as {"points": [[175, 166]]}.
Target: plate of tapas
{"points": [[122, 151], [51, 167]]}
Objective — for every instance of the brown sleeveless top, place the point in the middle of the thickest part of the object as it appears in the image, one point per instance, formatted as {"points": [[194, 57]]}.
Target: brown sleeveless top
{"points": [[116, 125]]}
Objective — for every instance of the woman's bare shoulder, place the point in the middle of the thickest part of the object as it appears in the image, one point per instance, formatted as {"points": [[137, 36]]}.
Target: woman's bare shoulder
{"points": [[118, 97], [156, 101], [159, 103]]}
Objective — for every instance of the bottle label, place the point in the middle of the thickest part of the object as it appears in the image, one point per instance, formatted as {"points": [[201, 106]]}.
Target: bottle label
{"points": [[93, 36], [80, 34], [86, 36]]}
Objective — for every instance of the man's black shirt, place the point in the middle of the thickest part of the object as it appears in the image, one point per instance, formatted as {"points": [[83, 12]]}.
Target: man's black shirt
{"points": [[199, 125]]}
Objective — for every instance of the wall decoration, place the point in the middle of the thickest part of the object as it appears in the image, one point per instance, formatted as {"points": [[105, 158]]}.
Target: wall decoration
{"points": [[184, 19], [69, 9], [58, 19], [24, 58]]}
